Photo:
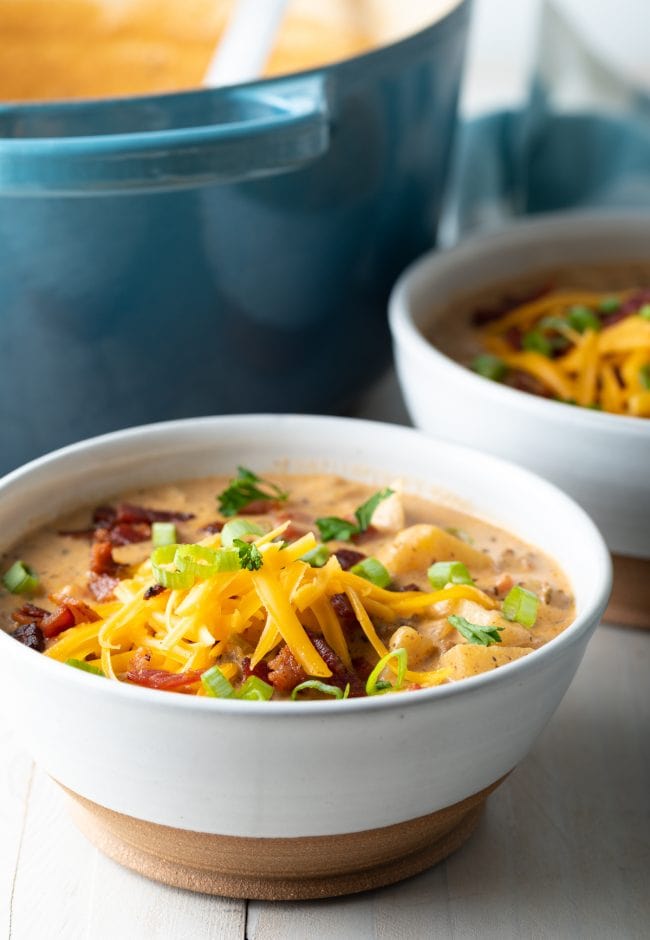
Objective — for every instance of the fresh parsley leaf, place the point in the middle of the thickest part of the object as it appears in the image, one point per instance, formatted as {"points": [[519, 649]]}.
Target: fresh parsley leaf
{"points": [[244, 489], [365, 512], [485, 636], [333, 527], [250, 556]]}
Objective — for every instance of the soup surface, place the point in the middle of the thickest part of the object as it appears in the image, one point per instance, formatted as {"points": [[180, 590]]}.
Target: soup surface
{"points": [[301, 586], [58, 49], [580, 336]]}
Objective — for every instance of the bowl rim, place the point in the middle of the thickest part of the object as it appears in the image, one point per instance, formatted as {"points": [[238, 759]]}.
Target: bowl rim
{"points": [[582, 625], [424, 270]]}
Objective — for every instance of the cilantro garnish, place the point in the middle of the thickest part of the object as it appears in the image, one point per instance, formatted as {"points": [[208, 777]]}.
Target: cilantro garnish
{"points": [[244, 489], [472, 632], [332, 527], [250, 556]]}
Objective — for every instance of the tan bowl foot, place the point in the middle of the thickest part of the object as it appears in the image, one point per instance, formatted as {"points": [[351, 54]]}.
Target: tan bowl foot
{"points": [[279, 869], [629, 604]]}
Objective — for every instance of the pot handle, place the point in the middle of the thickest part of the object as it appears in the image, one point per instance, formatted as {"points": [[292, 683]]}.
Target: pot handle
{"points": [[224, 135]]}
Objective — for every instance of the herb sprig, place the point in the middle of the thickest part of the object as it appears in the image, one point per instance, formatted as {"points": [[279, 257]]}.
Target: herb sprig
{"points": [[473, 633], [246, 489], [333, 527], [250, 557]]}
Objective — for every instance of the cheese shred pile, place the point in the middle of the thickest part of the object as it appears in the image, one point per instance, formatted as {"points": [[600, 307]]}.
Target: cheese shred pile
{"points": [[214, 620], [598, 366]]}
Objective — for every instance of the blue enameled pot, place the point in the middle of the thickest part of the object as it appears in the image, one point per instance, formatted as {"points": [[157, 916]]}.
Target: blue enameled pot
{"points": [[222, 250]]}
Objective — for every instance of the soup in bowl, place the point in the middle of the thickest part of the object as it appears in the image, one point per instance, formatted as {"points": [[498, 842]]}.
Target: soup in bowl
{"points": [[207, 785]]}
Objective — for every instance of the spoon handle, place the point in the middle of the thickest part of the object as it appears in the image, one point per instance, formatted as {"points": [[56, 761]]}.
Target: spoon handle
{"points": [[246, 45]]}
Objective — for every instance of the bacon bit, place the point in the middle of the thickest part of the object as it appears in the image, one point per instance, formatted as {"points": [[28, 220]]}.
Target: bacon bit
{"points": [[347, 557], [212, 528], [525, 382], [126, 533], [69, 609], [285, 672], [59, 620], [515, 337], [102, 561], [409, 587], [162, 679], [29, 613], [127, 512], [362, 667], [366, 536], [261, 670], [341, 675], [503, 584], [153, 591], [631, 306], [102, 586], [31, 636], [345, 612], [259, 507]]}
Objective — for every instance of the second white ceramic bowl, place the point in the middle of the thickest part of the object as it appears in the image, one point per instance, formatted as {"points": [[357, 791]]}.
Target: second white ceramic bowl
{"points": [[601, 460]]}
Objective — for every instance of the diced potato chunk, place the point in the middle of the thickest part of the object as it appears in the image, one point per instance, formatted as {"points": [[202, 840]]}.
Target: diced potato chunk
{"points": [[469, 659], [418, 546], [418, 647]]}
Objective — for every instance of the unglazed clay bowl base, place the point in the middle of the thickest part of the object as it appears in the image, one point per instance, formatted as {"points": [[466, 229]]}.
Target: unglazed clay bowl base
{"points": [[279, 869], [629, 604]]}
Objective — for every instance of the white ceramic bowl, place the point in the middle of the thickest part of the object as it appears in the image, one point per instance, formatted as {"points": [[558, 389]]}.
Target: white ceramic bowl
{"points": [[601, 460], [257, 778]]}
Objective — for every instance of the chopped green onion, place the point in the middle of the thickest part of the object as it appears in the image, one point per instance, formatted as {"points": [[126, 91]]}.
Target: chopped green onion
{"points": [[521, 605], [460, 534], [216, 684], [163, 533], [255, 690], [489, 366], [203, 562], [535, 341], [474, 633], [250, 556], [84, 666], [609, 304], [20, 579], [317, 557], [582, 318], [645, 312], [448, 572], [235, 529], [244, 490], [372, 570], [644, 376], [333, 528], [332, 690], [377, 686], [558, 324], [169, 577], [364, 513]]}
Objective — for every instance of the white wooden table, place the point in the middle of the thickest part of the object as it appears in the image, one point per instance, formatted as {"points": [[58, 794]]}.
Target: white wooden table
{"points": [[563, 850]]}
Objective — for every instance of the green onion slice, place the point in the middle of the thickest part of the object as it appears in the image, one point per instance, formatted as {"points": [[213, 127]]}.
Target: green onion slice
{"points": [[215, 683], [255, 690], [236, 529], [644, 312], [332, 690], [163, 533], [644, 376], [372, 570], [582, 318], [317, 557], [169, 577], [84, 666], [521, 606], [377, 686], [490, 367], [474, 633], [609, 304], [20, 579], [203, 562], [535, 341], [448, 572]]}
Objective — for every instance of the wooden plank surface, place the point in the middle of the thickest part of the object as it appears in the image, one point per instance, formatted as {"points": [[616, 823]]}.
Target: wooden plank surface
{"points": [[562, 852]]}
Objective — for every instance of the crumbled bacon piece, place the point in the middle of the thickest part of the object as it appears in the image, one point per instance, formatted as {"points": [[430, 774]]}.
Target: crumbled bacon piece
{"points": [[345, 612], [341, 675], [347, 557], [630, 306], [412, 586], [212, 528], [31, 636], [102, 586], [59, 620], [285, 672], [161, 679], [68, 613], [362, 667], [503, 584], [259, 507], [29, 613], [367, 535], [127, 512], [261, 670], [102, 561], [153, 591], [126, 524], [127, 533]]}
